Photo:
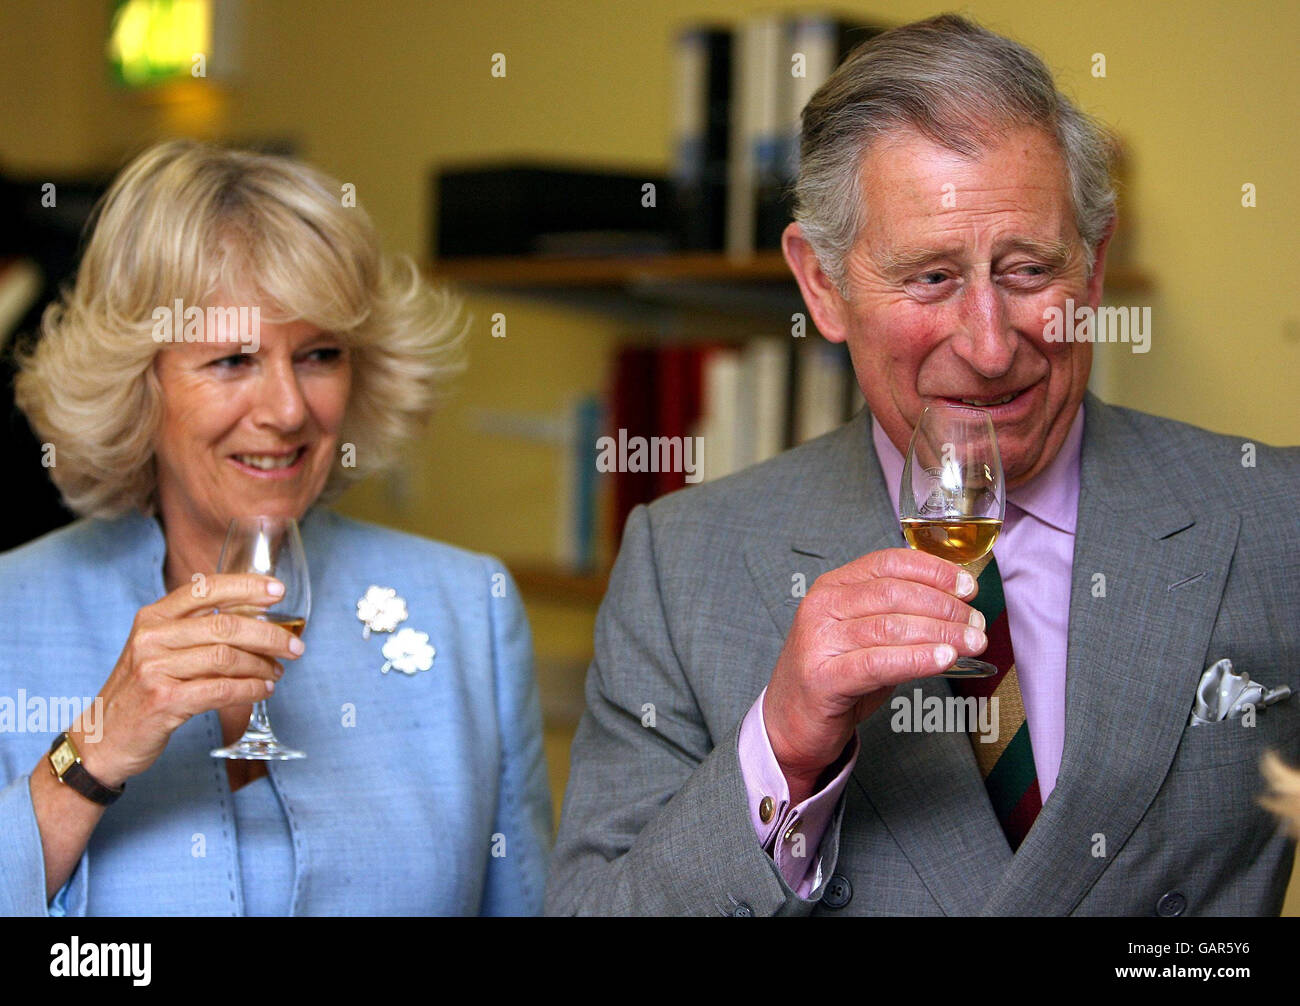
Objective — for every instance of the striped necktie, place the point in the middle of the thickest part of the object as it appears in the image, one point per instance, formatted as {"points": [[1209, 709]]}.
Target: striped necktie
{"points": [[1007, 764]]}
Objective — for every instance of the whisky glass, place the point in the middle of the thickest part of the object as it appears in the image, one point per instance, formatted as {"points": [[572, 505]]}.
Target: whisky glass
{"points": [[952, 497], [270, 546]]}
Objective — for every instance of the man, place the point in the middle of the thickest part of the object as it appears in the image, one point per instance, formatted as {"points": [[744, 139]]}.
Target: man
{"points": [[743, 751]]}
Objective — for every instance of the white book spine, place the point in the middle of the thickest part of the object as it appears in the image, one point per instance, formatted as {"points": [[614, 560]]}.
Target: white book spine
{"points": [[756, 120], [721, 412]]}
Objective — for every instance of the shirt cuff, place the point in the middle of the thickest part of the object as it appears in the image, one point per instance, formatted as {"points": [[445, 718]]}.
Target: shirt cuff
{"points": [[792, 836], [22, 860]]}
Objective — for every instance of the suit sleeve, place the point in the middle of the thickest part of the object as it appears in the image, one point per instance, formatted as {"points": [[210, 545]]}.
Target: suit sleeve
{"points": [[656, 818], [516, 867]]}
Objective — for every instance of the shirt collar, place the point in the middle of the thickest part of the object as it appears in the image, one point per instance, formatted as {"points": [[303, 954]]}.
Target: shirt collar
{"points": [[1051, 496]]}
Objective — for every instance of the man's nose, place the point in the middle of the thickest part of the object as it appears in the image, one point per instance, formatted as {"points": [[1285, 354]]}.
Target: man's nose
{"points": [[279, 400], [985, 339]]}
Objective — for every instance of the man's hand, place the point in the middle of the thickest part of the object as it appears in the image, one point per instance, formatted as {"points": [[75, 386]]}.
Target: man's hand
{"points": [[888, 617]]}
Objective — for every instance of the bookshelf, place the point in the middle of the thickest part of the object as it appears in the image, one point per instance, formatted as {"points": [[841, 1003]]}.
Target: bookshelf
{"points": [[667, 292], [635, 274]]}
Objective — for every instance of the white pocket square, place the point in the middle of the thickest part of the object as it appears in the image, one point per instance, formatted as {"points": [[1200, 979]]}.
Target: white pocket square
{"points": [[1224, 694]]}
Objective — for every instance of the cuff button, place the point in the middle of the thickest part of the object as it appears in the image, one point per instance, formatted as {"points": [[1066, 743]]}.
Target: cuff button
{"points": [[766, 808]]}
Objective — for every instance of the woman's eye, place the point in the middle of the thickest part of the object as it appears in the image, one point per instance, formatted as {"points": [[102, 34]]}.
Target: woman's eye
{"points": [[232, 362], [326, 354]]}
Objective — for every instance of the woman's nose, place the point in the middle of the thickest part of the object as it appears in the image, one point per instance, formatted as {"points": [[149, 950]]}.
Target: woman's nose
{"points": [[279, 399]]}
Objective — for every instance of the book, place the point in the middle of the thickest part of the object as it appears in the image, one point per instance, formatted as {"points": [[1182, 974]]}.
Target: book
{"points": [[822, 399], [764, 374], [701, 136], [756, 121], [720, 419], [778, 64]]}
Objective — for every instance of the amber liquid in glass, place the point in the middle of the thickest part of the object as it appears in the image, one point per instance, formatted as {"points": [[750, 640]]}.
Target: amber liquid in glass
{"points": [[959, 540]]}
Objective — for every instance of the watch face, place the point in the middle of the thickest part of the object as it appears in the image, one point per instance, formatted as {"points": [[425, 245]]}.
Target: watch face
{"points": [[62, 757]]}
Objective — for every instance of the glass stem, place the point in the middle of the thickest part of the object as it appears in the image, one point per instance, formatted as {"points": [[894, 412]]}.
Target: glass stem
{"points": [[259, 724]]}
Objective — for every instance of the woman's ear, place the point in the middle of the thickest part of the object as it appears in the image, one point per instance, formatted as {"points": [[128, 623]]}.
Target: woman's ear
{"points": [[829, 309]]}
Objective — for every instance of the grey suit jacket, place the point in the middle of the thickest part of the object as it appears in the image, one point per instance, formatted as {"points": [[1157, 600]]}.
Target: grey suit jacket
{"points": [[1199, 559]]}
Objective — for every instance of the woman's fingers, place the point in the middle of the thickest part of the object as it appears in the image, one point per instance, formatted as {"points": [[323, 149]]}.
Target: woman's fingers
{"points": [[219, 590], [221, 643], [193, 698]]}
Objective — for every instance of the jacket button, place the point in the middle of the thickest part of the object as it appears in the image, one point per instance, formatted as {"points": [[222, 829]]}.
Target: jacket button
{"points": [[743, 911], [1171, 904], [838, 891]]}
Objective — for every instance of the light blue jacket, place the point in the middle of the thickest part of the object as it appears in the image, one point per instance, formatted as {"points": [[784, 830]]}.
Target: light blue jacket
{"points": [[421, 794]]}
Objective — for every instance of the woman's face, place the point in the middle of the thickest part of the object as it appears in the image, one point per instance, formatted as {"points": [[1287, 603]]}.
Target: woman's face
{"points": [[248, 434]]}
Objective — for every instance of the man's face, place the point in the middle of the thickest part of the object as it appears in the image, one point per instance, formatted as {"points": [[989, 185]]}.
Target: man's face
{"points": [[948, 284]]}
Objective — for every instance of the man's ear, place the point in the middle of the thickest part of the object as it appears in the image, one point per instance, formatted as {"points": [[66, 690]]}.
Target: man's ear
{"points": [[829, 309], [1099, 265]]}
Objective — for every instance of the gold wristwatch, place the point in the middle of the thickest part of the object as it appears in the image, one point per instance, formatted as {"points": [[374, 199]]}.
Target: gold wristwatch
{"points": [[65, 763]]}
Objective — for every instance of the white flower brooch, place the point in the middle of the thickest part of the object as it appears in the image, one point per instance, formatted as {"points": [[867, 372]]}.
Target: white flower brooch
{"points": [[381, 610], [408, 651]]}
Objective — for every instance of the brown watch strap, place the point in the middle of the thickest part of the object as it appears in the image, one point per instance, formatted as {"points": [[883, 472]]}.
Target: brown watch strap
{"points": [[76, 777]]}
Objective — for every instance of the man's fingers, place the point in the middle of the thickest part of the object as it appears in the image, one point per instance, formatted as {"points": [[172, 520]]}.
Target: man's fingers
{"points": [[905, 564], [859, 672], [895, 630], [881, 595]]}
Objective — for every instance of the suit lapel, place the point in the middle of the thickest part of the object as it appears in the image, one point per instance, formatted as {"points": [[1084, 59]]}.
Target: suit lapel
{"points": [[1147, 579], [925, 787]]}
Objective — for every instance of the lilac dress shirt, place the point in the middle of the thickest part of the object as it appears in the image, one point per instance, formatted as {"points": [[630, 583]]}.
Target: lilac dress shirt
{"points": [[1035, 554]]}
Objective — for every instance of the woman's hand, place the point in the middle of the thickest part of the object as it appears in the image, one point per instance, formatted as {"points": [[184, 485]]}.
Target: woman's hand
{"points": [[181, 660]]}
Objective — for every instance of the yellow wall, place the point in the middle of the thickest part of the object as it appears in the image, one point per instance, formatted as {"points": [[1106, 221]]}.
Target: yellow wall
{"points": [[1204, 93]]}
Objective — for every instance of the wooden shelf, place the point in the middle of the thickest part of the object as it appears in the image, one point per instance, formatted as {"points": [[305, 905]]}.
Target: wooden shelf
{"points": [[555, 274], [538, 272], [553, 584]]}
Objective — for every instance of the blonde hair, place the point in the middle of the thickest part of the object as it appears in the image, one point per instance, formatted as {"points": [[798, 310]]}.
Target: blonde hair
{"points": [[188, 220]]}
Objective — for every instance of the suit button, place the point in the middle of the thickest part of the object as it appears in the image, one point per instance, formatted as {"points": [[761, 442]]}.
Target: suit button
{"points": [[838, 891], [743, 911], [766, 808], [1171, 904]]}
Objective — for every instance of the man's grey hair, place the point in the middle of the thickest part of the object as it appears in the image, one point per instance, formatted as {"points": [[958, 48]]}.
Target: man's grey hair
{"points": [[957, 84]]}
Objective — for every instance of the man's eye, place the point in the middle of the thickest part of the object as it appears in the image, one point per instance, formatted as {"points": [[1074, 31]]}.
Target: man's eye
{"points": [[932, 278]]}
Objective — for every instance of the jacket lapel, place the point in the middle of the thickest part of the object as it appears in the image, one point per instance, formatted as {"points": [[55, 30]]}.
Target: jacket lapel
{"points": [[925, 787], [1147, 579]]}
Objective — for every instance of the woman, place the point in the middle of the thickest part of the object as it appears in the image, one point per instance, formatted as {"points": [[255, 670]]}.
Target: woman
{"points": [[424, 790]]}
